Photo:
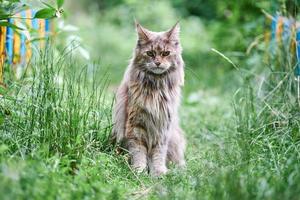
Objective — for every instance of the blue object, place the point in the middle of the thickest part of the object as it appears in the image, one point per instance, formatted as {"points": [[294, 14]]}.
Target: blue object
{"points": [[23, 43], [35, 22], [9, 43], [35, 26], [47, 26], [297, 70], [273, 35], [286, 31], [274, 27]]}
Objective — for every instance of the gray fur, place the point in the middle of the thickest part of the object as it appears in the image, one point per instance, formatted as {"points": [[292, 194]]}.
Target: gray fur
{"points": [[145, 115]]}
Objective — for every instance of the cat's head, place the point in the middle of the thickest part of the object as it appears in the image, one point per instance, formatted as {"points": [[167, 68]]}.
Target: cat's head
{"points": [[157, 52]]}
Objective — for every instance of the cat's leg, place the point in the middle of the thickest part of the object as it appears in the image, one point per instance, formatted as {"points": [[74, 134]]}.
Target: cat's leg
{"points": [[138, 154], [176, 147], [157, 163]]}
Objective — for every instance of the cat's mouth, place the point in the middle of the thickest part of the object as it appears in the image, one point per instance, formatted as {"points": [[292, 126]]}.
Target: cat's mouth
{"points": [[158, 70]]}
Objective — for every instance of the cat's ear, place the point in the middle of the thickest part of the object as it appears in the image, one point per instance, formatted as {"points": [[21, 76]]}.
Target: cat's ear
{"points": [[173, 33], [143, 34]]}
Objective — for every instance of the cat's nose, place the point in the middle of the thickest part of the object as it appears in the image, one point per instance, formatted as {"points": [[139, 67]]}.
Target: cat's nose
{"points": [[157, 63]]}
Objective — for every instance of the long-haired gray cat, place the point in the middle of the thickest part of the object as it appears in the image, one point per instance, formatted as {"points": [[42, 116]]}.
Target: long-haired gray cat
{"points": [[145, 115]]}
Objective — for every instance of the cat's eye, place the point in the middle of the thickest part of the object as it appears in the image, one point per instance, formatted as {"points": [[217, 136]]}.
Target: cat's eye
{"points": [[150, 53], [165, 53]]}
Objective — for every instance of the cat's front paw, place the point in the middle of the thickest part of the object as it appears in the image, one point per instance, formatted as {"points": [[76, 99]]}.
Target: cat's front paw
{"points": [[182, 164], [159, 171], [139, 168]]}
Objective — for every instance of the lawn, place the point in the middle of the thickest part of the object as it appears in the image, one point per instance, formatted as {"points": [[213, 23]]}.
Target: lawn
{"points": [[55, 142]]}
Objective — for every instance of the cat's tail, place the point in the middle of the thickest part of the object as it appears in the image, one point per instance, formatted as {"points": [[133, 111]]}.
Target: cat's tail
{"points": [[119, 114], [176, 148]]}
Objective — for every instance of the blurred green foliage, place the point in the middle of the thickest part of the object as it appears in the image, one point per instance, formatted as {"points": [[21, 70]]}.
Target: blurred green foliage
{"points": [[107, 29]]}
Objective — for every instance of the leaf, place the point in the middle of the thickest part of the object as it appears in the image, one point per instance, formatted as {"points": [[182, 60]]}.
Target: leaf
{"points": [[45, 13], [59, 3], [4, 16], [7, 24]]}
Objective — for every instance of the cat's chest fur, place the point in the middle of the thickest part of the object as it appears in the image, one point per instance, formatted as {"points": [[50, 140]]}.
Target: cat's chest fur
{"points": [[151, 108]]}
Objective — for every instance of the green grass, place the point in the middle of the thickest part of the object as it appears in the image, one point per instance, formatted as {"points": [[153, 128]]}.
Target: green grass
{"points": [[54, 139]]}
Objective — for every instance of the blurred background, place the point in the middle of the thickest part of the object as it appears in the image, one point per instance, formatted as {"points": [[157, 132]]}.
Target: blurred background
{"points": [[106, 30], [103, 32]]}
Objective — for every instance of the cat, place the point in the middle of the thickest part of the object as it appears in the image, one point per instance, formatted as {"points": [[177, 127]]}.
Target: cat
{"points": [[145, 115]]}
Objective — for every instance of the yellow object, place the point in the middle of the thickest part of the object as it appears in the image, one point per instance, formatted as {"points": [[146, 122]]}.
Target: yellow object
{"points": [[42, 33], [2, 51], [279, 29], [267, 38], [267, 35], [293, 40], [17, 44]]}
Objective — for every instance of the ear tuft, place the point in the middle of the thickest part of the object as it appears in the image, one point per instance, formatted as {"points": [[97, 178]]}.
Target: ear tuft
{"points": [[143, 34], [173, 33]]}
